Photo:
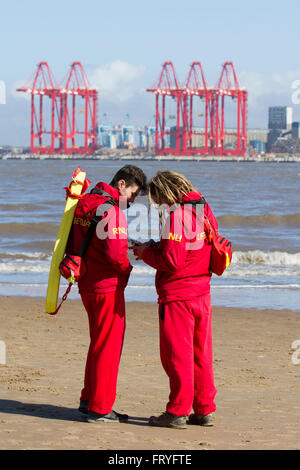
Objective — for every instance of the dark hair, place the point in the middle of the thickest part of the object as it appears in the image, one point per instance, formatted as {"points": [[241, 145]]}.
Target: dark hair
{"points": [[131, 175]]}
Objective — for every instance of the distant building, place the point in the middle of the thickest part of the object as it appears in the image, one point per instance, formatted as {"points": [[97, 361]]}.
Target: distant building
{"points": [[273, 136], [126, 136], [258, 134], [258, 146], [257, 140], [280, 117], [280, 120], [296, 130]]}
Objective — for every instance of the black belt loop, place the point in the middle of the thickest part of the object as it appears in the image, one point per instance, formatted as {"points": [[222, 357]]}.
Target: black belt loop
{"points": [[162, 312]]}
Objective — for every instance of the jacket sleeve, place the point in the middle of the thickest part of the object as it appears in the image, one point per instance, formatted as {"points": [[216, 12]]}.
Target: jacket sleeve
{"points": [[171, 252], [116, 241], [210, 215]]}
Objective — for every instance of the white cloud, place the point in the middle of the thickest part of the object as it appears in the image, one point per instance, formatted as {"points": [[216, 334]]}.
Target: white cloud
{"points": [[277, 84], [116, 81]]}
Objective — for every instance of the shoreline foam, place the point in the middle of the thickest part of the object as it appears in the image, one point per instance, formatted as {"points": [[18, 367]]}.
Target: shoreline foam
{"points": [[208, 158]]}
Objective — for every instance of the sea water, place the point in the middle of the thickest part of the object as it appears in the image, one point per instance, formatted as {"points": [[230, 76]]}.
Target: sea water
{"points": [[257, 206]]}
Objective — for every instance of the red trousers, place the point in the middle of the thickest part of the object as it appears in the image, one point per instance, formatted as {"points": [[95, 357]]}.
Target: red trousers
{"points": [[187, 355], [106, 314]]}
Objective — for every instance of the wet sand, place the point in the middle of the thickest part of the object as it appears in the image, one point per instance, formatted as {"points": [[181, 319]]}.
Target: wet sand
{"points": [[258, 405]]}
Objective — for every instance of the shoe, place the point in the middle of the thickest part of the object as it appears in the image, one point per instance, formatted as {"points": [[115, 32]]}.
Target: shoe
{"points": [[112, 417], [168, 420], [201, 420], [83, 406]]}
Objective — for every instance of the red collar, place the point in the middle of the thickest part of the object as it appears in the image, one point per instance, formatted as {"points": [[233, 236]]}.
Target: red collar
{"points": [[192, 196], [110, 190]]}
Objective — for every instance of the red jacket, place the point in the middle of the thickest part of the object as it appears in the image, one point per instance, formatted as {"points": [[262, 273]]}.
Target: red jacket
{"points": [[182, 256], [108, 267]]}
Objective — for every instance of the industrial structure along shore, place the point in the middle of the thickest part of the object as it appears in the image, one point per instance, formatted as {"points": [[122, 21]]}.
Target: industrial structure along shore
{"points": [[191, 119], [132, 155], [201, 113]]}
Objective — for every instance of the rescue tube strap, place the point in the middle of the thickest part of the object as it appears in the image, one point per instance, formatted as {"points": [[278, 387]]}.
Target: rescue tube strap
{"points": [[84, 185], [77, 182], [72, 195], [64, 297]]}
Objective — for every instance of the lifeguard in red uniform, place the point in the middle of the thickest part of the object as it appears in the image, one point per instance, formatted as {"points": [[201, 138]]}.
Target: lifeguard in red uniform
{"points": [[182, 259], [102, 288]]}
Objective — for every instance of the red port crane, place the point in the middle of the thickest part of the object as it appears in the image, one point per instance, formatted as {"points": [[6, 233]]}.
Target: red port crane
{"points": [[60, 121], [167, 86], [77, 87], [196, 89], [42, 86], [228, 89], [209, 139]]}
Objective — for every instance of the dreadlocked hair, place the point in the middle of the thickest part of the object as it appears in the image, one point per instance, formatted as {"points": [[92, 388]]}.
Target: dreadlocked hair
{"points": [[168, 187]]}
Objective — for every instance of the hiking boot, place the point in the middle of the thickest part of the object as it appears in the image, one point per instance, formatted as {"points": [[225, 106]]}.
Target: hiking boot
{"points": [[83, 406], [168, 420], [201, 420], [112, 417]]}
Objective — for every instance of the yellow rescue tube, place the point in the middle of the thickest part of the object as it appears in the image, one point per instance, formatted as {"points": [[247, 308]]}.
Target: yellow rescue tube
{"points": [[62, 239]]}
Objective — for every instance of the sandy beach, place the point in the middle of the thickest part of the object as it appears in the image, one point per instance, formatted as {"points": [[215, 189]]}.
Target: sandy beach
{"points": [[258, 404]]}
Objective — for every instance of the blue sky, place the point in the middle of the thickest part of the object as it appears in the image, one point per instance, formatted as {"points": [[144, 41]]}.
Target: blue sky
{"points": [[122, 46]]}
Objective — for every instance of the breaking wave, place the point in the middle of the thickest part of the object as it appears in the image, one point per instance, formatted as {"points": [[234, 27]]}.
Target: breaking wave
{"points": [[290, 220], [262, 258], [244, 264], [24, 256], [23, 268]]}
